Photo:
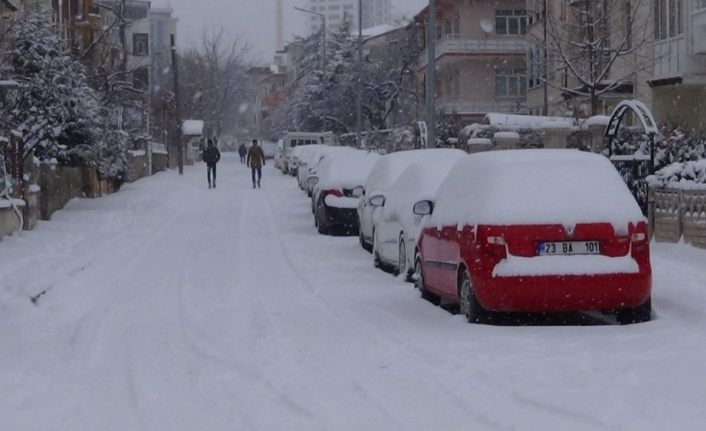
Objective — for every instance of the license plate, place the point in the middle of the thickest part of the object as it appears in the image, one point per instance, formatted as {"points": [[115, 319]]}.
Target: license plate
{"points": [[569, 248]]}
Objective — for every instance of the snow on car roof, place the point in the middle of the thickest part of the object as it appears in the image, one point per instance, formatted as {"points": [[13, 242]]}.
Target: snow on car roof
{"points": [[535, 187], [390, 166], [310, 153], [419, 181], [345, 167]]}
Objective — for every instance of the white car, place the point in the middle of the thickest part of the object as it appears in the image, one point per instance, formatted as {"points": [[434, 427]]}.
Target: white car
{"points": [[383, 174], [279, 154], [310, 157], [396, 227], [337, 187]]}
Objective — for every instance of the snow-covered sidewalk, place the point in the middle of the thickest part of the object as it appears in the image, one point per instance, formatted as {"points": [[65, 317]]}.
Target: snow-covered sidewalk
{"points": [[169, 306]]}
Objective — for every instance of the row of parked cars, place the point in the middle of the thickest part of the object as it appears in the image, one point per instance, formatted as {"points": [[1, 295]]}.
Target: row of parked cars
{"points": [[528, 231]]}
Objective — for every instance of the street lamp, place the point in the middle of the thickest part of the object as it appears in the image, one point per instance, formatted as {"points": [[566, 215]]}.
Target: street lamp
{"points": [[323, 28], [431, 75], [359, 81]]}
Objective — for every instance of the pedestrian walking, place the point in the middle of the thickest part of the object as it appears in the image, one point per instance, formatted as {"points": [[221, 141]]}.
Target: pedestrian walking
{"points": [[255, 161], [211, 156], [243, 151]]}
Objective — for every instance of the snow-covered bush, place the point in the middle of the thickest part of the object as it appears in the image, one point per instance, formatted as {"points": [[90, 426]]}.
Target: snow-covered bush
{"points": [[54, 108], [682, 173]]}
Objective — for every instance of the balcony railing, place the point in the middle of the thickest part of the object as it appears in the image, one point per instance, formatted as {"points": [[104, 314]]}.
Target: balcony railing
{"points": [[498, 45], [482, 107]]}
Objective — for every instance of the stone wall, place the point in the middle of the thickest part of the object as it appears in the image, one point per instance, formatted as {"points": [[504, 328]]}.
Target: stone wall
{"points": [[59, 184], [159, 162], [9, 222], [138, 164], [677, 213]]}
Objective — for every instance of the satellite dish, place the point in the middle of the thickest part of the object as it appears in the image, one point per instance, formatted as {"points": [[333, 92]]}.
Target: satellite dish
{"points": [[488, 25]]}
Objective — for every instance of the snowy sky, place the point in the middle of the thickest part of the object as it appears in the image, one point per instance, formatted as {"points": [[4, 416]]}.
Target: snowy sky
{"points": [[253, 20]]}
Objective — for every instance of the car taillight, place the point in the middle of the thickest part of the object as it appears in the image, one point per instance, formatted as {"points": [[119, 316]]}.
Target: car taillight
{"points": [[334, 192], [638, 237], [496, 246], [496, 240]]}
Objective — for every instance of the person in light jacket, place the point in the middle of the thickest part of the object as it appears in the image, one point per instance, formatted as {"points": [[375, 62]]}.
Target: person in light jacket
{"points": [[256, 160], [211, 156]]}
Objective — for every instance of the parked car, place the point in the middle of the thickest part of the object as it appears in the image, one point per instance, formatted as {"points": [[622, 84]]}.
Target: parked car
{"points": [[535, 231], [295, 139], [382, 175], [337, 187], [396, 228], [279, 155], [310, 158], [294, 160]]}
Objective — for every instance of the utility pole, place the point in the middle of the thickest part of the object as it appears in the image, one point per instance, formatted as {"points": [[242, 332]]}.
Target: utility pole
{"points": [[431, 75], [177, 107], [359, 79], [545, 66]]}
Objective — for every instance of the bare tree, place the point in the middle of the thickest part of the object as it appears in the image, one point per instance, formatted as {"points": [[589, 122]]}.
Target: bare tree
{"points": [[214, 81], [599, 46]]}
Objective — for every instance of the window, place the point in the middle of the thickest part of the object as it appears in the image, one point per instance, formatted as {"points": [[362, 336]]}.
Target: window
{"points": [[510, 22], [510, 82], [140, 44], [669, 18], [534, 64]]}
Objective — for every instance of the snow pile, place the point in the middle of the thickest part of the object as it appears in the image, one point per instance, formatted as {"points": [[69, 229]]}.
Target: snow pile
{"points": [[8, 203], [596, 120], [535, 187], [516, 121], [517, 266], [681, 175], [341, 202], [479, 141], [507, 135], [192, 128]]}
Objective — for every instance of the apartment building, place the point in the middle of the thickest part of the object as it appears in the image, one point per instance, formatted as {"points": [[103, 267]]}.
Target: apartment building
{"points": [[375, 12], [678, 79], [163, 26], [480, 56], [586, 56]]}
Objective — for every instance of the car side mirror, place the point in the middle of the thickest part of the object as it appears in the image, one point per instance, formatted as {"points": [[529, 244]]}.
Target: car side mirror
{"points": [[358, 192], [312, 181], [377, 201], [423, 208]]}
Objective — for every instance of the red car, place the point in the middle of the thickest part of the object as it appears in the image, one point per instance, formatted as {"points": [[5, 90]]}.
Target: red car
{"points": [[535, 231]]}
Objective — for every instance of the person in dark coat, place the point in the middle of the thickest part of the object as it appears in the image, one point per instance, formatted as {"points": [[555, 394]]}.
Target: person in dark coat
{"points": [[211, 156], [243, 151], [256, 160]]}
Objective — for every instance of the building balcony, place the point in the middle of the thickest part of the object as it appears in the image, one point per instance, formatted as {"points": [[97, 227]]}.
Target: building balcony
{"points": [[491, 46], [463, 107]]}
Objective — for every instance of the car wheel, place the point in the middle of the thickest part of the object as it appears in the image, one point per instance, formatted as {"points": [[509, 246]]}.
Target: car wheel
{"points": [[468, 305], [321, 229], [402, 257], [420, 284], [376, 254], [641, 313]]}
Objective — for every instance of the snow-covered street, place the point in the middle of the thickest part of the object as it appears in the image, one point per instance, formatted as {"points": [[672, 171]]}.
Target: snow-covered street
{"points": [[169, 306]]}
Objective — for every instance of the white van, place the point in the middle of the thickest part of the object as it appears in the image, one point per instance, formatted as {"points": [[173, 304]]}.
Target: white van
{"points": [[294, 139]]}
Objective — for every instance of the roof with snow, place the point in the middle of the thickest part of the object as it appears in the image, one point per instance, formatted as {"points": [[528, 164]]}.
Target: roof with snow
{"points": [[524, 121], [379, 30]]}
